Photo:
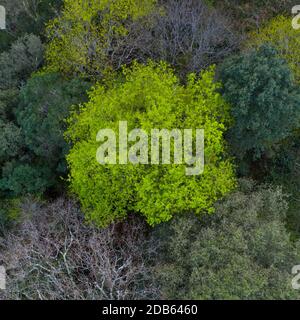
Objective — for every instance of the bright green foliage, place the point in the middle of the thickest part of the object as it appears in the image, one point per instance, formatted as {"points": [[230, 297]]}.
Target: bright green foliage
{"points": [[81, 39], [45, 102], [150, 97], [243, 251], [280, 34], [265, 102]]}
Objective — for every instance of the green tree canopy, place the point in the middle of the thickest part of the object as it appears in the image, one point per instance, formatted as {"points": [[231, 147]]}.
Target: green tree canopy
{"points": [[88, 37], [24, 57], [26, 17], [265, 102], [280, 34], [150, 97], [91, 38], [44, 104], [243, 251]]}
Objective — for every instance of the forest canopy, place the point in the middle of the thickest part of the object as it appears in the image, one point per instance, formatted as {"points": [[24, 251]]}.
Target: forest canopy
{"points": [[76, 227], [150, 97]]}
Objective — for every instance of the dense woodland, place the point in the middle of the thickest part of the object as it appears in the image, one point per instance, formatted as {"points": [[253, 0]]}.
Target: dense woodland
{"points": [[73, 229]]}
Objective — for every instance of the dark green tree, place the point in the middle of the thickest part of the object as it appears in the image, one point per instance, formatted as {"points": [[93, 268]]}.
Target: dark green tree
{"points": [[24, 57], [10, 140], [16, 65], [26, 17], [45, 102], [285, 171], [265, 102], [243, 251]]}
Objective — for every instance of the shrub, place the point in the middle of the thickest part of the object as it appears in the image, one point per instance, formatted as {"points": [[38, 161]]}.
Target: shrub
{"points": [[10, 210]]}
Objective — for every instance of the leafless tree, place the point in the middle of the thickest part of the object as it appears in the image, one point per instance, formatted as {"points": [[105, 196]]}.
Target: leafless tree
{"points": [[247, 15], [190, 36], [186, 33], [54, 254]]}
